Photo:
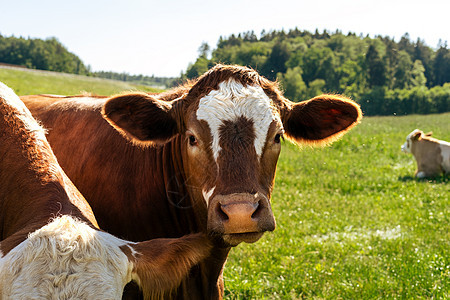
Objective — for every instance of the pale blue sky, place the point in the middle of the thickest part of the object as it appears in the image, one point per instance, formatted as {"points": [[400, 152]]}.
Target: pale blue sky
{"points": [[162, 37]]}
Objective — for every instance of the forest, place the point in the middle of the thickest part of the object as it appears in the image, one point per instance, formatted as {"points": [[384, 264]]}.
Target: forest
{"points": [[51, 55], [386, 77], [48, 54]]}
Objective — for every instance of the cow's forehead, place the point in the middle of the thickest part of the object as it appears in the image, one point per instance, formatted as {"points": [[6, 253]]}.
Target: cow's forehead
{"points": [[231, 101]]}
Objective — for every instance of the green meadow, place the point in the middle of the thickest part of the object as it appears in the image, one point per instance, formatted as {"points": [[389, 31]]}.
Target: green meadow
{"points": [[352, 221]]}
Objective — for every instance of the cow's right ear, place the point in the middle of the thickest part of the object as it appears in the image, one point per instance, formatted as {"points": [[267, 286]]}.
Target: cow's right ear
{"points": [[159, 265], [143, 118]]}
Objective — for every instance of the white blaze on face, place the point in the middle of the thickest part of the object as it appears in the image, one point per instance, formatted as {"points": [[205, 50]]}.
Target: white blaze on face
{"points": [[231, 101], [208, 194]]}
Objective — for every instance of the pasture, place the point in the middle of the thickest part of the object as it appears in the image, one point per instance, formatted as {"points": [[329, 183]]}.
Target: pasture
{"points": [[352, 222], [27, 81]]}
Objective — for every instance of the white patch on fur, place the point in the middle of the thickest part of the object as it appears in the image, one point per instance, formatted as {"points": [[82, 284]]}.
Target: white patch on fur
{"points": [[12, 100], [66, 259], [445, 152], [208, 194], [406, 147], [421, 175], [231, 101], [133, 251]]}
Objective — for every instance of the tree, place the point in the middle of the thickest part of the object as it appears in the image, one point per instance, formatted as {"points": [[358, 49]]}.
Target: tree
{"points": [[402, 75], [204, 50], [418, 74], [293, 84], [423, 53], [375, 67], [316, 87], [441, 66], [276, 63], [200, 66]]}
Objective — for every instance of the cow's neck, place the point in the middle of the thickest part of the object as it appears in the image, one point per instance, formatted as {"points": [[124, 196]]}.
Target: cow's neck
{"points": [[183, 215], [167, 194], [30, 183]]}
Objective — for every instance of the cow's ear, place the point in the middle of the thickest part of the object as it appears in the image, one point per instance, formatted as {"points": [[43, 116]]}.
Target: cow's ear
{"points": [[320, 120], [429, 133], [143, 118], [416, 135], [160, 265]]}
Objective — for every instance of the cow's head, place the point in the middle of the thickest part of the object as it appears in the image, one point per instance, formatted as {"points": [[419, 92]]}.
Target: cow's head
{"points": [[415, 135], [231, 122]]}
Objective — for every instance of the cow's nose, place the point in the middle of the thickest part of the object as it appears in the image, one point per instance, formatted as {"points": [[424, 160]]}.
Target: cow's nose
{"points": [[240, 213], [239, 217]]}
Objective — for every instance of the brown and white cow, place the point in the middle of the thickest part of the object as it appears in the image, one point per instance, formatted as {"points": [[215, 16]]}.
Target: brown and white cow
{"points": [[432, 155], [202, 158], [50, 244]]}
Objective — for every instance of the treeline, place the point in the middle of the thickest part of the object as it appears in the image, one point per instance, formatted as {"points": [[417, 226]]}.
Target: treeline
{"points": [[138, 79], [48, 54], [384, 76], [51, 55]]}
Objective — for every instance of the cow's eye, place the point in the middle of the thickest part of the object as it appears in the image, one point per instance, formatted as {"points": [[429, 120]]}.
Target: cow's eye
{"points": [[277, 138], [192, 140]]}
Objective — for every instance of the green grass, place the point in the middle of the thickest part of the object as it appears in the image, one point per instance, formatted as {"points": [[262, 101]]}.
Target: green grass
{"points": [[352, 222], [27, 82]]}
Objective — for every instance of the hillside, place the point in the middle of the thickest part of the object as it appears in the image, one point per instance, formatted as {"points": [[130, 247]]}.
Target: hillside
{"points": [[27, 81], [48, 54]]}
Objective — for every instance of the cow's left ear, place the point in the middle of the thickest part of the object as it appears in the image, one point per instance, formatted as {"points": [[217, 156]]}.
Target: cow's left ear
{"points": [[320, 120], [416, 135], [143, 118]]}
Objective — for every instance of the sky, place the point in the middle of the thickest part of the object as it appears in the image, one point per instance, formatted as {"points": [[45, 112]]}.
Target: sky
{"points": [[161, 38]]}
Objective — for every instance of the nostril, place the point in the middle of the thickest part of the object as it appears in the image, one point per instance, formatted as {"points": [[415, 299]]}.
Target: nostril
{"points": [[222, 214], [258, 209]]}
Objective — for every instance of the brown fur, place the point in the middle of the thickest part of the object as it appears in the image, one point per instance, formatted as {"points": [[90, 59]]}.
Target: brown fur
{"points": [[147, 192], [161, 264], [34, 190], [428, 155]]}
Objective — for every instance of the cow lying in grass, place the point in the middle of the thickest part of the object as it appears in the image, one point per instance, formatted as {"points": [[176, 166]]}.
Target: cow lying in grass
{"points": [[51, 247], [432, 155]]}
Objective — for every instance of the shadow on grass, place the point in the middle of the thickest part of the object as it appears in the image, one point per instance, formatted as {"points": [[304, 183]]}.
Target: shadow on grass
{"points": [[434, 180]]}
